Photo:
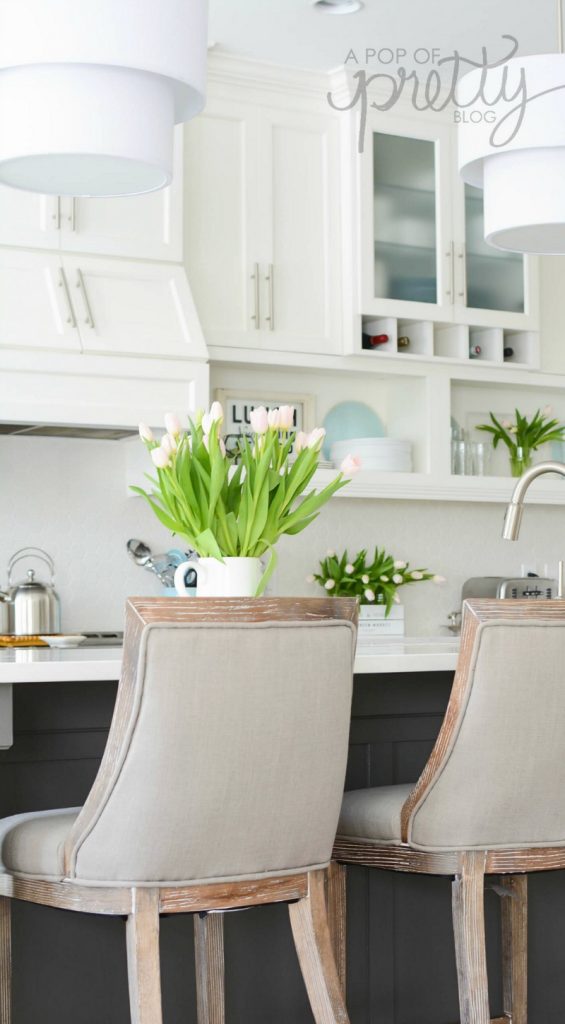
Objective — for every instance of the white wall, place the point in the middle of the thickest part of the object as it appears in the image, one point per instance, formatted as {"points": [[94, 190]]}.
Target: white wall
{"points": [[455, 540], [69, 497]]}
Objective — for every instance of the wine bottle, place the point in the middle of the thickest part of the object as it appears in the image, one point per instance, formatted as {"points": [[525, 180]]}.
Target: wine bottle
{"points": [[475, 351], [374, 340], [403, 342]]}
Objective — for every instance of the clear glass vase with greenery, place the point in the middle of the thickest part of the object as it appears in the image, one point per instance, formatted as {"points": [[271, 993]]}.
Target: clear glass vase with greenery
{"points": [[524, 436]]}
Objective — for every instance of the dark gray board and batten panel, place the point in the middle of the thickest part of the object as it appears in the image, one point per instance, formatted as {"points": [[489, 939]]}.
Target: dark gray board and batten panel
{"points": [[71, 968]]}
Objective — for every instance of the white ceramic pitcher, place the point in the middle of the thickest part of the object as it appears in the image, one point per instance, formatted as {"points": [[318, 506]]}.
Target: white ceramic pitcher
{"points": [[234, 577]]}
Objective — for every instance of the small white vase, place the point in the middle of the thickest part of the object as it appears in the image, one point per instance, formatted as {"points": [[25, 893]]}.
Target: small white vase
{"points": [[374, 623], [234, 577]]}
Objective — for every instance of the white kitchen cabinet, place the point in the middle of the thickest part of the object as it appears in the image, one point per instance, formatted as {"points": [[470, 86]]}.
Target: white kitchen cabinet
{"points": [[301, 281], [405, 218], [422, 250], [262, 225], [35, 305], [131, 308], [221, 175], [492, 288], [141, 227], [28, 219]]}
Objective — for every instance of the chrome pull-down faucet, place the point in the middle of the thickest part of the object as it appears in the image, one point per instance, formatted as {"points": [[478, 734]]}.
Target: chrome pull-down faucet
{"points": [[514, 511]]}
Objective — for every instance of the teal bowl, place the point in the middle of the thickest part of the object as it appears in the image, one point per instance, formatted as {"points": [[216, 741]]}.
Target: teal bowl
{"points": [[348, 421]]}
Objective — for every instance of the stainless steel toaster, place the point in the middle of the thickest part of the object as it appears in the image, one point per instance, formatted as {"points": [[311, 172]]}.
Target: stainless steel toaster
{"points": [[523, 587]]}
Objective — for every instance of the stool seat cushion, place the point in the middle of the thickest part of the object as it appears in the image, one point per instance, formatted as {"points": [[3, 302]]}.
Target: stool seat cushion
{"points": [[374, 814], [32, 844]]}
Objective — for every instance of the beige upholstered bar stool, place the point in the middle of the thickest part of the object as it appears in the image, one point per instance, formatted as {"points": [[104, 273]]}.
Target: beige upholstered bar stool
{"points": [[220, 787], [490, 801]]}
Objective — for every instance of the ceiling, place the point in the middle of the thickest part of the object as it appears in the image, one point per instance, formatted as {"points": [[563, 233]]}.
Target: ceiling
{"points": [[291, 32]]}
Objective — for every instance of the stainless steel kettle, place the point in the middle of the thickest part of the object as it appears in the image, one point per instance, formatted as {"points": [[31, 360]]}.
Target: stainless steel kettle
{"points": [[33, 606]]}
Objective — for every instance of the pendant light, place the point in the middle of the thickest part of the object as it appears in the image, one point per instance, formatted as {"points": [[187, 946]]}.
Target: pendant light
{"points": [[90, 93], [519, 164]]}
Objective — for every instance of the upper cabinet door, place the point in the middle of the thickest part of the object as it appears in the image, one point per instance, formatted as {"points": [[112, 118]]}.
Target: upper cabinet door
{"points": [[407, 253], [28, 219], [143, 227], [492, 287], [222, 243], [36, 310], [262, 226], [300, 293], [133, 308]]}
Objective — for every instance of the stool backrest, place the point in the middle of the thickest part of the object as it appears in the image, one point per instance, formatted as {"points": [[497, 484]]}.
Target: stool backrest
{"points": [[227, 752], [496, 777]]}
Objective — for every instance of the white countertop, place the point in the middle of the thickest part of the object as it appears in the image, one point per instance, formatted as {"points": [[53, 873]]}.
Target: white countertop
{"points": [[42, 665]]}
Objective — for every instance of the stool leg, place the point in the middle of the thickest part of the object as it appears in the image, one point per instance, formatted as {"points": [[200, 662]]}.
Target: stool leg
{"points": [[469, 931], [144, 975], [209, 954], [5, 961], [514, 911], [309, 922], [337, 896]]}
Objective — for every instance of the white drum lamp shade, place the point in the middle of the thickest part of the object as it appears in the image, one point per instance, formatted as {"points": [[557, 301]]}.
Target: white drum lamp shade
{"points": [[516, 151], [90, 93]]}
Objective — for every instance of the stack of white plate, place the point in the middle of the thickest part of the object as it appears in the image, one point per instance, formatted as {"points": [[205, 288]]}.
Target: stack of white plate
{"points": [[380, 454]]}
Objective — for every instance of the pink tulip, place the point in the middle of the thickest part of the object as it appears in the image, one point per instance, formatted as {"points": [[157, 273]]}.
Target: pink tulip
{"points": [[169, 443], [301, 441], [216, 412], [274, 419], [145, 432], [316, 438], [259, 420], [286, 413], [216, 415], [351, 465], [173, 425], [161, 458]]}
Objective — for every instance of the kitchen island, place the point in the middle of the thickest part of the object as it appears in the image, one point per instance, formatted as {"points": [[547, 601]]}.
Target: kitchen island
{"points": [[44, 664], [401, 966]]}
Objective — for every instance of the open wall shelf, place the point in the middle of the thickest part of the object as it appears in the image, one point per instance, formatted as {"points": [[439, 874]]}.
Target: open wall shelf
{"points": [[424, 487]]}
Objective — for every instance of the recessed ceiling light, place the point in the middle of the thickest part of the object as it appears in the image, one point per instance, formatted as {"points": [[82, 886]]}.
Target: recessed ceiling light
{"points": [[338, 6]]}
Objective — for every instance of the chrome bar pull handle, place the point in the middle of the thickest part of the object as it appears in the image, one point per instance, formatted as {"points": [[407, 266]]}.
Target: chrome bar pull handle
{"points": [[63, 283], [56, 216], [450, 266], [89, 320], [72, 216], [269, 278], [461, 256], [256, 314]]}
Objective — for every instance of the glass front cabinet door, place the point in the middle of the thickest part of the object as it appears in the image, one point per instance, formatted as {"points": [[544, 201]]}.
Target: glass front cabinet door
{"points": [[492, 287], [407, 258], [423, 255]]}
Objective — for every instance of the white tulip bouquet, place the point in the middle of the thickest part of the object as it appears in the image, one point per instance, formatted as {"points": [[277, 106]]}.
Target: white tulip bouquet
{"points": [[239, 506], [373, 581]]}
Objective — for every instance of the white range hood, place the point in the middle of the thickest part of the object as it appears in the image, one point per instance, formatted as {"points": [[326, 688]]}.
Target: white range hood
{"points": [[95, 342]]}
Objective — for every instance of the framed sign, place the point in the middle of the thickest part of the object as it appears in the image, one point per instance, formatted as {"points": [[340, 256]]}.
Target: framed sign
{"points": [[238, 405]]}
